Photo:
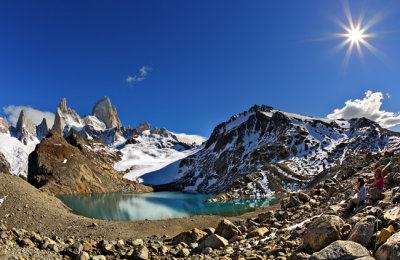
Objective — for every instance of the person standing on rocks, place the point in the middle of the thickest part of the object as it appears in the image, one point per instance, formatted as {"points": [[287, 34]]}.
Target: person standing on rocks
{"points": [[359, 198], [376, 193]]}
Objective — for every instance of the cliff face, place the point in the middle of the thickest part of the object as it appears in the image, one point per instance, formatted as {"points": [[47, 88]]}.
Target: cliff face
{"points": [[106, 113], [76, 167]]}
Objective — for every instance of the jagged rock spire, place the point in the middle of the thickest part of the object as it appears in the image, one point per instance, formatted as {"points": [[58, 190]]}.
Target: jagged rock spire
{"points": [[58, 120], [106, 113], [25, 128], [42, 129]]}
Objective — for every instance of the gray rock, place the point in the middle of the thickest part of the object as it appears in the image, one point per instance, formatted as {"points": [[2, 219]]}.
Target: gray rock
{"points": [[323, 231], [362, 232], [227, 229], [390, 249], [75, 249], [142, 253], [342, 250], [106, 113]]}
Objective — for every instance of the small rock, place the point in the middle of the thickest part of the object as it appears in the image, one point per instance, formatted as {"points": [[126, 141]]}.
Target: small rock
{"points": [[188, 237], [207, 250], [227, 229], [83, 256], [137, 242], [99, 257], [26, 242], [142, 253], [259, 232], [214, 241], [75, 249], [184, 252]]}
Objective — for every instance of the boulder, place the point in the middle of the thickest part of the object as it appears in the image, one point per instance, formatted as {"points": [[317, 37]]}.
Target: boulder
{"points": [[342, 250], [214, 241], [390, 249], [227, 229], [323, 231], [192, 236], [362, 232]]}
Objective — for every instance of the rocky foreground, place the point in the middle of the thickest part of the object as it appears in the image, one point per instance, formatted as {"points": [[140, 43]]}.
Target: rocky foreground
{"points": [[308, 225]]}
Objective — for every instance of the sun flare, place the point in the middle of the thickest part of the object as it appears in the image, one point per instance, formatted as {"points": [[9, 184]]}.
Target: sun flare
{"points": [[355, 34]]}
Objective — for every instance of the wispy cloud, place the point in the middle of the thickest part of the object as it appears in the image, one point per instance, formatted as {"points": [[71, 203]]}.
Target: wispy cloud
{"points": [[143, 72], [34, 115], [368, 107]]}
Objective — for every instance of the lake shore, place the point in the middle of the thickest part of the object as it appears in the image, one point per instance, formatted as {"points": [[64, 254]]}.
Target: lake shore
{"points": [[29, 208]]}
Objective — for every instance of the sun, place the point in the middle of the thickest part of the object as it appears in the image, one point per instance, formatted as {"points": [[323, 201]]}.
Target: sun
{"points": [[355, 34]]}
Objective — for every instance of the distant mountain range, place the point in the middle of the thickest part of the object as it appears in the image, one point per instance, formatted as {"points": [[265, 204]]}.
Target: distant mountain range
{"points": [[256, 152], [263, 150], [19, 141]]}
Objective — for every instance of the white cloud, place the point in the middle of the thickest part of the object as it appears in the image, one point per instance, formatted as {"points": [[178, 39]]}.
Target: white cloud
{"points": [[143, 72], [34, 115], [368, 107]]}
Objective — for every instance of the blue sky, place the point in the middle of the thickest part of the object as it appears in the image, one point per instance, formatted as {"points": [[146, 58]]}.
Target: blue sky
{"points": [[203, 60]]}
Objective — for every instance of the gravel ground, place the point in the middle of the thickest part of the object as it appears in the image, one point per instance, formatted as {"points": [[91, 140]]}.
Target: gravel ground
{"points": [[29, 208]]}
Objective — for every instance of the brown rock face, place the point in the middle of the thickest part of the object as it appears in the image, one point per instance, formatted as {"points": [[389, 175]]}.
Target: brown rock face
{"points": [[4, 165], [78, 167], [106, 113]]}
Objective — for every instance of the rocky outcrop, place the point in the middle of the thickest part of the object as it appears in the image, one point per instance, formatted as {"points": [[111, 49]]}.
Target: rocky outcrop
{"points": [[66, 116], [4, 164], [42, 129], [25, 129], [342, 250], [323, 231], [4, 125], [59, 167], [106, 113]]}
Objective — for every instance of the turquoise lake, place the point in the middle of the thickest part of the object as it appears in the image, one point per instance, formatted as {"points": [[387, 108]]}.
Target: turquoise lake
{"points": [[157, 205]]}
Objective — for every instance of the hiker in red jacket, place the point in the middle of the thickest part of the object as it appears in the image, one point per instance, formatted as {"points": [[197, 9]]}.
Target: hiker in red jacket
{"points": [[376, 190]]}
